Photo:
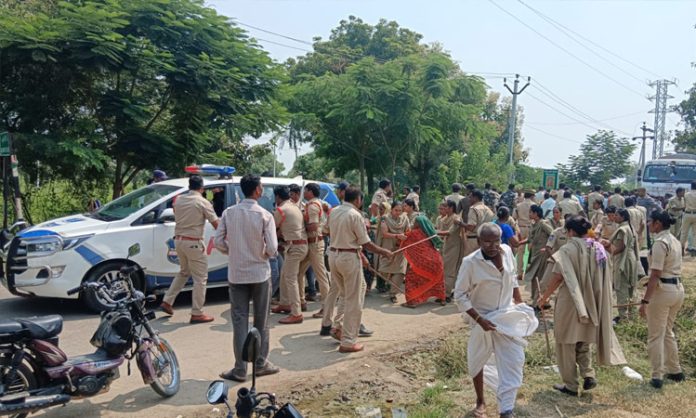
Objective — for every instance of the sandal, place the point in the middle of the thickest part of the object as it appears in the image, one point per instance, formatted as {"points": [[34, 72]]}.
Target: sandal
{"points": [[480, 413], [393, 299], [408, 305]]}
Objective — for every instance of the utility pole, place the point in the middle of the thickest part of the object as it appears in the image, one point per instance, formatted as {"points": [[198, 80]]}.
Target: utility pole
{"points": [[660, 111], [641, 161], [513, 119]]}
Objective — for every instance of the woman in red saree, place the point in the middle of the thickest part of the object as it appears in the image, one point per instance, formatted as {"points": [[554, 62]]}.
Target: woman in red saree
{"points": [[425, 275]]}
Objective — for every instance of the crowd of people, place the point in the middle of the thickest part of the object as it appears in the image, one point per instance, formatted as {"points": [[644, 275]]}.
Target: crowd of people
{"points": [[482, 248]]}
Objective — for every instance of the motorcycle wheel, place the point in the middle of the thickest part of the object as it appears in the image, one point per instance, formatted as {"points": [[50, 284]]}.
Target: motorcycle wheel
{"points": [[24, 380], [166, 365]]}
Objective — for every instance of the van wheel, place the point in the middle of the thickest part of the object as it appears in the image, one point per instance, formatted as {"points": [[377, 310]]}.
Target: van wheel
{"points": [[106, 273]]}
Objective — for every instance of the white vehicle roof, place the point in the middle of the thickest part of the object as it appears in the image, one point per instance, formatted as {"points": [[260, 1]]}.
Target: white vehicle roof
{"points": [[284, 181]]}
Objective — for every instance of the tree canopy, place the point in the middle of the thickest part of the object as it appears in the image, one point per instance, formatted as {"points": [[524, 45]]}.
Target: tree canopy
{"points": [[129, 85]]}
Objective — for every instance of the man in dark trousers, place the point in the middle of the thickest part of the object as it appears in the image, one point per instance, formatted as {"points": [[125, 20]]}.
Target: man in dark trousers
{"points": [[247, 234]]}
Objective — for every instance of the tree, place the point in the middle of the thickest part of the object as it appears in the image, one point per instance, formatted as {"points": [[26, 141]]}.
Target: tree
{"points": [[94, 87], [685, 139], [603, 157]]}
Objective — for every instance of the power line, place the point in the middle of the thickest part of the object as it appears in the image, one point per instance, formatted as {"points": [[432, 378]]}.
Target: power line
{"points": [[526, 125], [557, 45], [273, 33], [600, 120], [591, 41], [566, 31], [281, 44], [553, 96], [556, 109]]}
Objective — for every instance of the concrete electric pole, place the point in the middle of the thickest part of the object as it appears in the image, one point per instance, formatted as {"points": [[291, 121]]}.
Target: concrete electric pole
{"points": [[513, 119], [641, 162], [660, 111]]}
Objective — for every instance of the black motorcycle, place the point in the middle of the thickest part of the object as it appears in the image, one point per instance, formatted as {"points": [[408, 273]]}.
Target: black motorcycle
{"points": [[249, 403], [35, 374]]}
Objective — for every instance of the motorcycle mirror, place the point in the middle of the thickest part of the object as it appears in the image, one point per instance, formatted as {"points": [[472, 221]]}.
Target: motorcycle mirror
{"points": [[133, 250], [217, 392], [252, 346]]}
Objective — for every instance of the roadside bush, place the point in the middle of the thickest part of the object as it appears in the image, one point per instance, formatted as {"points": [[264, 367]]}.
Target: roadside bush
{"points": [[450, 359]]}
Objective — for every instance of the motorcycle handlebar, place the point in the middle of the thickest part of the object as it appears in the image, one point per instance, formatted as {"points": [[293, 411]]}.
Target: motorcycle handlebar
{"points": [[74, 290]]}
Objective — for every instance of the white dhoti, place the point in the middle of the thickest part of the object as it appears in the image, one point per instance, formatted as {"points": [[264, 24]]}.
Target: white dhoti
{"points": [[500, 353]]}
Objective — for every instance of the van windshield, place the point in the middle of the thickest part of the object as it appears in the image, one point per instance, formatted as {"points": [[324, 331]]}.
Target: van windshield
{"points": [[126, 205], [673, 173]]}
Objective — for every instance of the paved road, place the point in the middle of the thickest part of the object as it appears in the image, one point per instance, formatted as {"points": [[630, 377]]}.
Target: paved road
{"points": [[205, 350]]}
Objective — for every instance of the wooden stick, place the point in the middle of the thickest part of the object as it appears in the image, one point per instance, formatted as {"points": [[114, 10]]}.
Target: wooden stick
{"points": [[414, 244], [543, 319], [626, 305], [375, 272]]}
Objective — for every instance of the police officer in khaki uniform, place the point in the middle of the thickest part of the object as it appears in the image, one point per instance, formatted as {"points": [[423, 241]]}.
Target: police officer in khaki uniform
{"points": [[291, 229], [314, 224], [689, 220], [296, 195], [595, 196], [348, 234], [521, 214], [675, 208], [191, 210], [380, 196], [663, 299], [569, 206], [616, 199], [478, 215]]}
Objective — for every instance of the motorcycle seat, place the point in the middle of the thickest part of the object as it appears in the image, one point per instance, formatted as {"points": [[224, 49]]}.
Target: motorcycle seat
{"points": [[42, 327], [10, 327]]}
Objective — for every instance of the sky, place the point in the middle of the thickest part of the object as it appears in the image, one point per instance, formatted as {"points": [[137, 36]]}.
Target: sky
{"points": [[597, 78]]}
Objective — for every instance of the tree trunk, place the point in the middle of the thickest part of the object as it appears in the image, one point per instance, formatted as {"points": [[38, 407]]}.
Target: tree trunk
{"points": [[370, 181], [362, 172], [117, 189]]}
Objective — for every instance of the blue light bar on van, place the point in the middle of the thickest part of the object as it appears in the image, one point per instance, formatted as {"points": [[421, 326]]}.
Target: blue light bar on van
{"points": [[210, 170]]}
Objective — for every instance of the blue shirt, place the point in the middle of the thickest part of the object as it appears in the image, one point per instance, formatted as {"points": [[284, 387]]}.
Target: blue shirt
{"points": [[507, 232]]}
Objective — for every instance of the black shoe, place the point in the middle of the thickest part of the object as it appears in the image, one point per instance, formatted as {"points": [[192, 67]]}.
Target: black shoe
{"points": [[677, 377], [565, 390], [325, 331], [448, 299], [589, 383], [364, 331], [616, 320], [656, 383]]}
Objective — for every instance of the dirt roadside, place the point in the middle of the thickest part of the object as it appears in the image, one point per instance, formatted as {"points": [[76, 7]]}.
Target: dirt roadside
{"points": [[312, 370]]}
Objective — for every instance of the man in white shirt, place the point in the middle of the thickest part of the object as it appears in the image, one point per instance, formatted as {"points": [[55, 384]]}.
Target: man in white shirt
{"points": [[487, 292], [547, 206], [247, 234]]}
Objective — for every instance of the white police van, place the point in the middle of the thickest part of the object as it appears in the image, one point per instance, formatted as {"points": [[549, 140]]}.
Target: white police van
{"points": [[48, 259]]}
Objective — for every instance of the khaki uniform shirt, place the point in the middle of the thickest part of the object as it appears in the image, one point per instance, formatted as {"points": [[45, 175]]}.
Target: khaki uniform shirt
{"points": [[416, 198], [608, 227], [637, 221], [347, 228], [592, 197], [289, 222], [313, 212], [569, 206], [557, 239], [191, 210], [463, 208], [616, 200], [455, 197], [666, 255], [521, 213], [379, 197], [478, 215], [690, 201], [675, 206]]}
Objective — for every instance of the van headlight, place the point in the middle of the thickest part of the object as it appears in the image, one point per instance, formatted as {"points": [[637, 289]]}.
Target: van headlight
{"points": [[73, 242]]}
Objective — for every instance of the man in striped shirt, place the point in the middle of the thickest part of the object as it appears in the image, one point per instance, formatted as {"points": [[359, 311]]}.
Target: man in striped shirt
{"points": [[247, 234]]}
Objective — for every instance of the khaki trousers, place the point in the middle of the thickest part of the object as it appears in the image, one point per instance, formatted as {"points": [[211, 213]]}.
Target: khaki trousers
{"points": [[347, 276], [333, 301], [289, 284], [193, 263], [315, 258], [688, 224], [662, 345], [570, 357], [624, 296], [524, 232], [397, 279], [471, 246]]}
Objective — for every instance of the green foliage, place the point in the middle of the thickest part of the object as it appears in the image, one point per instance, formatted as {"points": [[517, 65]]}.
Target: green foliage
{"points": [[685, 139], [113, 87], [435, 402], [450, 358], [603, 157]]}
